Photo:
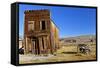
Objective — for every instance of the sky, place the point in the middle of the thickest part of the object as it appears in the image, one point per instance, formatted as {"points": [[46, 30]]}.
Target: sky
{"points": [[71, 21]]}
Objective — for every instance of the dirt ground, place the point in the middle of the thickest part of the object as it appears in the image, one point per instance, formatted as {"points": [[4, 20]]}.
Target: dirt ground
{"points": [[65, 53]]}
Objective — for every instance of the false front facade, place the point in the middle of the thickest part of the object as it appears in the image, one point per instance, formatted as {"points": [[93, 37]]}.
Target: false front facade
{"points": [[40, 33]]}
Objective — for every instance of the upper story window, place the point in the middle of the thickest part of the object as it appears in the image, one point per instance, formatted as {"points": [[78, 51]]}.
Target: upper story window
{"points": [[30, 25], [43, 25]]}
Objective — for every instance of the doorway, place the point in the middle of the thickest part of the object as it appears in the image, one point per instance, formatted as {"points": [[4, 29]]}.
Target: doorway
{"points": [[35, 46]]}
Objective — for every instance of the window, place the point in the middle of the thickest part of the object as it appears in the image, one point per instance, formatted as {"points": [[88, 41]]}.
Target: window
{"points": [[30, 25], [42, 25]]}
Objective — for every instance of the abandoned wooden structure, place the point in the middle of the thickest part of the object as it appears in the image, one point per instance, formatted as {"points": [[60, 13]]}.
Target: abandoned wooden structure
{"points": [[40, 32], [83, 48]]}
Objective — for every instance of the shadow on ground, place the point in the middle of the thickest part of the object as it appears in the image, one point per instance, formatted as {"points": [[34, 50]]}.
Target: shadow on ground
{"points": [[69, 52]]}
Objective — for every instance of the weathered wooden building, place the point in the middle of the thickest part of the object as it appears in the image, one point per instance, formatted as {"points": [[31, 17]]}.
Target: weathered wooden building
{"points": [[40, 32]]}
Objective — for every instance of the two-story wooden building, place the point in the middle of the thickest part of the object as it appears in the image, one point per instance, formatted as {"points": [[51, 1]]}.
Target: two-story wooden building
{"points": [[40, 33]]}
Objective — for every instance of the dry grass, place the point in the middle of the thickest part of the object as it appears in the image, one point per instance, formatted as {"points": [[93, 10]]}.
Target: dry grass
{"points": [[66, 53]]}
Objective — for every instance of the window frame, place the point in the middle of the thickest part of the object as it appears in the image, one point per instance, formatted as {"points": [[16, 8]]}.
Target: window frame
{"points": [[41, 25], [31, 23]]}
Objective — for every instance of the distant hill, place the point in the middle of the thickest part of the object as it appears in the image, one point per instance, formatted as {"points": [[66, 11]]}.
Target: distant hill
{"points": [[20, 38], [79, 39]]}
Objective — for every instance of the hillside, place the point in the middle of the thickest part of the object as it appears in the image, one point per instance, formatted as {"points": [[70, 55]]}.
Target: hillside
{"points": [[79, 39]]}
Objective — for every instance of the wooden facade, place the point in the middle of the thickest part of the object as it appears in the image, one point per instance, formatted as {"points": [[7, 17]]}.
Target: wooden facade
{"points": [[40, 33]]}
